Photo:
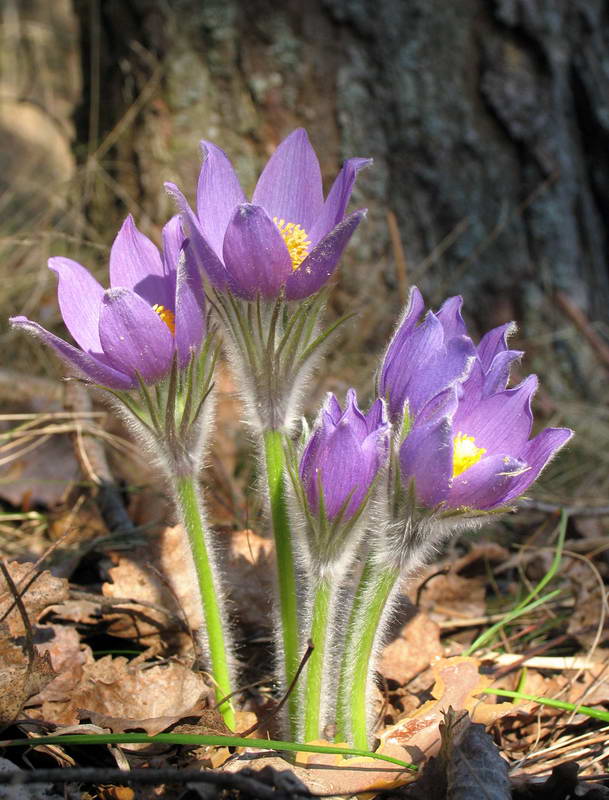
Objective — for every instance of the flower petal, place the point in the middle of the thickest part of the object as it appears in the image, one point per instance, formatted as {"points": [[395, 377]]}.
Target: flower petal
{"points": [[498, 374], [409, 351], [426, 456], [344, 471], [487, 484], [290, 186], [135, 263], [338, 198], [134, 337], [83, 363], [190, 321], [353, 417], [493, 342], [318, 266], [203, 252], [536, 454], [502, 422], [451, 319], [256, 257], [414, 309], [450, 364], [218, 194], [376, 415], [443, 404], [80, 297]]}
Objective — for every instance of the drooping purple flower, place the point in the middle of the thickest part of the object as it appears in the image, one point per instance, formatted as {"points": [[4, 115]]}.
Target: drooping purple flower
{"points": [[288, 237], [424, 357], [343, 456], [153, 310], [471, 449]]}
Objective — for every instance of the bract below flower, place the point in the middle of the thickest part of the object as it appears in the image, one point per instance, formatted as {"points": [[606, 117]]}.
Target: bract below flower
{"points": [[473, 450], [288, 238], [153, 310], [343, 456]]}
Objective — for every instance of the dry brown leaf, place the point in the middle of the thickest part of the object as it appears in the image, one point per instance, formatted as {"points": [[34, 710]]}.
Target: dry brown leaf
{"points": [[416, 646], [68, 657], [21, 675], [248, 565], [38, 591], [454, 594], [113, 688], [414, 738]]}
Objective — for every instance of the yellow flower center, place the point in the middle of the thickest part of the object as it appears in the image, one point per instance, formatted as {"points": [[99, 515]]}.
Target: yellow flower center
{"points": [[168, 317], [296, 239], [465, 453]]}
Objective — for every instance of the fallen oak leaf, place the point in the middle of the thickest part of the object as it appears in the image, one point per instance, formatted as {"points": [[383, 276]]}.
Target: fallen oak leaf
{"points": [[37, 591], [22, 675]]}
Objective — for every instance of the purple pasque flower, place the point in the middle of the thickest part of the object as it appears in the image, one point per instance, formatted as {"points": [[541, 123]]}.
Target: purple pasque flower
{"points": [[153, 310], [343, 456], [471, 450], [288, 237], [424, 357]]}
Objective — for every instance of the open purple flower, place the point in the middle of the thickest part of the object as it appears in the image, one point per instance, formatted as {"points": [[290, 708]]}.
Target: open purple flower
{"points": [[424, 357], [287, 237], [343, 456], [471, 447], [153, 310]]}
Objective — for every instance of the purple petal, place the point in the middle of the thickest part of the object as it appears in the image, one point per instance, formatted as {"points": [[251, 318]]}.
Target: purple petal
{"points": [[218, 194], [487, 484], [344, 472], [493, 342], [80, 297], [536, 454], [135, 264], [443, 368], [189, 309], [173, 240], [332, 407], [338, 198], [354, 418], [256, 257], [203, 252], [134, 337], [498, 375], [318, 266], [412, 313], [426, 456], [409, 352], [83, 363], [290, 186], [443, 404], [376, 415], [502, 422], [451, 319]]}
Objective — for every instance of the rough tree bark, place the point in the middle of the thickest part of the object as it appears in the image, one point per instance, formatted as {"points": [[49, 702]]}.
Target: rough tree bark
{"points": [[488, 121]]}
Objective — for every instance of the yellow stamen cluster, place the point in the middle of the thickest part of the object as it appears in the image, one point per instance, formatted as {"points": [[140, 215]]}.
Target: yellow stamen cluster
{"points": [[296, 239], [167, 316], [465, 453]]}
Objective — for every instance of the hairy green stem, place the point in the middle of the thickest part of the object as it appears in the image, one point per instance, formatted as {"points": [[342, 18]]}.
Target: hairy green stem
{"points": [[371, 600], [191, 512], [286, 571], [316, 668]]}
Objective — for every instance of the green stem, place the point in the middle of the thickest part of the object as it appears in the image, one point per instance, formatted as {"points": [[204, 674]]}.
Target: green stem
{"points": [[316, 665], [373, 592], [286, 573], [191, 512]]}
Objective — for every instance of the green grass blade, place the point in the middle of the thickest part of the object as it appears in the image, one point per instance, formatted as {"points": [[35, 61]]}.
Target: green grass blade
{"points": [[197, 740], [548, 701]]}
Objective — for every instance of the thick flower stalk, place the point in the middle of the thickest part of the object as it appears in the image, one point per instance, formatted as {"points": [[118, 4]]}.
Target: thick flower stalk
{"points": [[144, 341], [259, 256], [336, 474], [462, 452]]}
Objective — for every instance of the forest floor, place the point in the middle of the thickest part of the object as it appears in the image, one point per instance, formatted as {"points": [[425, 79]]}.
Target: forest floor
{"points": [[96, 633]]}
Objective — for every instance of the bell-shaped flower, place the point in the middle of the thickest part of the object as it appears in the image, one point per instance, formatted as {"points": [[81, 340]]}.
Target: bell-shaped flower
{"points": [[470, 450], [287, 239], [153, 310], [424, 357], [343, 456]]}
